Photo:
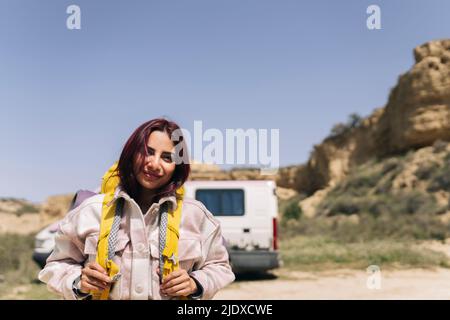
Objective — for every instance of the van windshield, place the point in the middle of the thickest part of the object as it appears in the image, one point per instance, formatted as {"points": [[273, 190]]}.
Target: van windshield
{"points": [[222, 202]]}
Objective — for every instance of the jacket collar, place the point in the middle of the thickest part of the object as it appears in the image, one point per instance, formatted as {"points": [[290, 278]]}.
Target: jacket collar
{"points": [[120, 193]]}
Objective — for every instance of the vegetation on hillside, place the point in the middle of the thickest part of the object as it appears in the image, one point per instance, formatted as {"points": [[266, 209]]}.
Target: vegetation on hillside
{"points": [[378, 213]]}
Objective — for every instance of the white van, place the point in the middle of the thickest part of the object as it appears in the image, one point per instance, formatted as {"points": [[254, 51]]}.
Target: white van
{"points": [[246, 210]]}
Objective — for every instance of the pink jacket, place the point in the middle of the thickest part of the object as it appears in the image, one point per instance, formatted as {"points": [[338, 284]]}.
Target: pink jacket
{"points": [[201, 249]]}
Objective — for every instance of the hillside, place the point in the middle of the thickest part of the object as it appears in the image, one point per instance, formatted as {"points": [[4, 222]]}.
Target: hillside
{"points": [[19, 216], [401, 196]]}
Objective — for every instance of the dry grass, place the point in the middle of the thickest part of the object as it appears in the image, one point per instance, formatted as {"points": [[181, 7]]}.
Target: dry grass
{"points": [[18, 271], [321, 253]]}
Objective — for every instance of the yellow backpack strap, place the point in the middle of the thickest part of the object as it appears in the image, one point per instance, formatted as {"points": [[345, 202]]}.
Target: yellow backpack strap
{"points": [[169, 256], [110, 180], [109, 225], [111, 216]]}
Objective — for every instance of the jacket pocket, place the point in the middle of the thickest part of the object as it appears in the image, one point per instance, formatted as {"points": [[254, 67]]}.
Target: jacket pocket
{"points": [[90, 250], [189, 252], [90, 247]]}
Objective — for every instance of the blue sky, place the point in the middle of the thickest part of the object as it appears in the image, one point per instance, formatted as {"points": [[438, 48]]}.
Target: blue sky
{"points": [[69, 99]]}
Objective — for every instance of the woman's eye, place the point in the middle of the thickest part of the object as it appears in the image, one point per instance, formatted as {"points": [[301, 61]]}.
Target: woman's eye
{"points": [[168, 158]]}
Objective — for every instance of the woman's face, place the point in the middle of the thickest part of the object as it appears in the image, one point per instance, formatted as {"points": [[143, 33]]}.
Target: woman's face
{"points": [[158, 167]]}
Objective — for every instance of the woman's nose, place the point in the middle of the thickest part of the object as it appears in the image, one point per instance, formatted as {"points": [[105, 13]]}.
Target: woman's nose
{"points": [[153, 163]]}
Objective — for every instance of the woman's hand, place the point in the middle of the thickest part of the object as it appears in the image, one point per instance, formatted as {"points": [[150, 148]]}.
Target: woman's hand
{"points": [[178, 283], [94, 277]]}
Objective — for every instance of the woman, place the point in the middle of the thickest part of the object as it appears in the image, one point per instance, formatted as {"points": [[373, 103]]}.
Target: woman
{"points": [[151, 170]]}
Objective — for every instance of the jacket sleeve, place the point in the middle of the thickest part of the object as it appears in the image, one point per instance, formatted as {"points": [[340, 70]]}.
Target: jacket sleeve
{"points": [[215, 273], [65, 263]]}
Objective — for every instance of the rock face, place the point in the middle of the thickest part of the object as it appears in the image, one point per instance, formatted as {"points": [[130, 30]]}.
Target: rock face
{"points": [[333, 158], [416, 115], [418, 111]]}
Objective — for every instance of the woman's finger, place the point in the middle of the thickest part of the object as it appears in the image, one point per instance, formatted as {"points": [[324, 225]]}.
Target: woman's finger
{"points": [[181, 293], [87, 287], [93, 281], [94, 265], [173, 290], [98, 275], [174, 274], [179, 278], [97, 283]]}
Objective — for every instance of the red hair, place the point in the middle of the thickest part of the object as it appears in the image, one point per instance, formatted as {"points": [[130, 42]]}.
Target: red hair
{"points": [[137, 143]]}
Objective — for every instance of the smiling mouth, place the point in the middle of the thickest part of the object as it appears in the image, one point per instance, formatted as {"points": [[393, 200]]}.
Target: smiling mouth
{"points": [[151, 176]]}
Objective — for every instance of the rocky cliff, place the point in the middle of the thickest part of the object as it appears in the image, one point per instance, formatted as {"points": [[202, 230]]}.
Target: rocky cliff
{"points": [[416, 115]]}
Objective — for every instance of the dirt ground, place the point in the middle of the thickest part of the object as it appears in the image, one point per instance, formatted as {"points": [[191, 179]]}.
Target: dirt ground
{"points": [[288, 284], [339, 284], [342, 284], [395, 284]]}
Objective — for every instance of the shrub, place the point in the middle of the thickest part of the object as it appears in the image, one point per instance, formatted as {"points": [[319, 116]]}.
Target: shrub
{"points": [[27, 208], [292, 211], [338, 129], [390, 165], [439, 146], [426, 170], [343, 205], [354, 120], [440, 179]]}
